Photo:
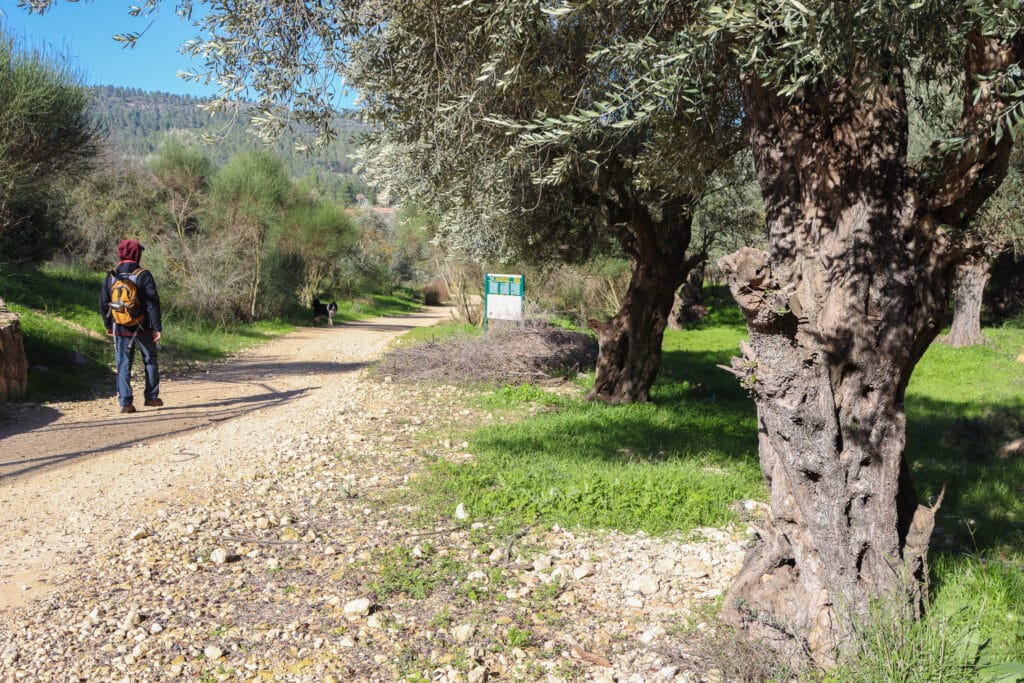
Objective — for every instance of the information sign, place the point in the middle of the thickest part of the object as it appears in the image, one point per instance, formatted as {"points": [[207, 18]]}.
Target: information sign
{"points": [[503, 296]]}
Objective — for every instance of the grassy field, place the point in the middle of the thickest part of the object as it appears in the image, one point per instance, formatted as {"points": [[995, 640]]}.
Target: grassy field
{"points": [[689, 456], [71, 356]]}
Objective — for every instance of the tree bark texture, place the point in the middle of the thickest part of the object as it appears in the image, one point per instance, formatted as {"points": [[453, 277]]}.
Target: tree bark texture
{"points": [[630, 343], [971, 277], [13, 364], [854, 290], [688, 305]]}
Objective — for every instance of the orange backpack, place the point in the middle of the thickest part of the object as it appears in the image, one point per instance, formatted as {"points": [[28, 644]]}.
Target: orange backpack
{"points": [[125, 303]]}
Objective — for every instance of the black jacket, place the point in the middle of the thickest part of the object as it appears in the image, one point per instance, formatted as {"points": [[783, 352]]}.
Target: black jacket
{"points": [[147, 292]]}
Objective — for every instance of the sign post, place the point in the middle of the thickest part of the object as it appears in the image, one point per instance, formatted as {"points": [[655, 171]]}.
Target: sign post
{"points": [[503, 297]]}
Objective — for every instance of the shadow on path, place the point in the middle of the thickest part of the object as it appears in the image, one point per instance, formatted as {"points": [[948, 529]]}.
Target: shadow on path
{"points": [[123, 431], [44, 437]]}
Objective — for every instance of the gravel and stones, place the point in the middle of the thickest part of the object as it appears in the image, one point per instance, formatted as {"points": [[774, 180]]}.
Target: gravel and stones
{"points": [[294, 556]]}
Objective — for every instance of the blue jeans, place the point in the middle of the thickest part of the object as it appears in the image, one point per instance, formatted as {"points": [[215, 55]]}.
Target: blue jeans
{"points": [[124, 354]]}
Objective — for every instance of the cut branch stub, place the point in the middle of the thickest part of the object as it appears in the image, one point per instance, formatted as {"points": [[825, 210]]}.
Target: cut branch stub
{"points": [[748, 273]]}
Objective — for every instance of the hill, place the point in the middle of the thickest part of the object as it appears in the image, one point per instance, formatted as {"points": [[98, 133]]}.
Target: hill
{"points": [[136, 122]]}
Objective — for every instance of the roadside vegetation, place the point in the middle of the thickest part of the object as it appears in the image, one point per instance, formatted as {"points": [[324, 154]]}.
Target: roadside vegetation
{"points": [[688, 459], [71, 357]]}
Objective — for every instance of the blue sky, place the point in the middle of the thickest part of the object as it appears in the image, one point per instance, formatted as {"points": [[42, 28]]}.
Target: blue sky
{"points": [[83, 31]]}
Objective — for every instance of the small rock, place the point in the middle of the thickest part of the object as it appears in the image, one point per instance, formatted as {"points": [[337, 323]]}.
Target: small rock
{"points": [[219, 556], [478, 675], [542, 563], [132, 619], [645, 584], [213, 652], [460, 512], [463, 632], [583, 571], [651, 635], [140, 533], [668, 673], [359, 607]]}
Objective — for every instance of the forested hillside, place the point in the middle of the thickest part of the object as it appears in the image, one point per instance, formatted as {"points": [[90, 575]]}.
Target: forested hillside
{"points": [[137, 122]]}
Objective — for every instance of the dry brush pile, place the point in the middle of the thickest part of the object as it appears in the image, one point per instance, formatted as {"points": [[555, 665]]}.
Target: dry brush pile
{"points": [[513, 354]]}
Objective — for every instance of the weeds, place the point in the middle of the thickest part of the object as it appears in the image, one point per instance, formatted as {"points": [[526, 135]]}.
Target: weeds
{"points": [[948, 644], [518, 637], [401, 572]]}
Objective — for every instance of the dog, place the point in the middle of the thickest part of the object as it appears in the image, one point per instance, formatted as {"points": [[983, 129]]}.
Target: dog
{"points": [[322, 310]]}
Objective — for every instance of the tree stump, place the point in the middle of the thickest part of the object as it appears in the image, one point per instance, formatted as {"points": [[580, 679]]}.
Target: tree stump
{"points": [[13, 364]]}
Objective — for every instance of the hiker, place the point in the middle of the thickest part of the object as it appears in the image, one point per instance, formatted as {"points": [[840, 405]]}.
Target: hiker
{"points": [[130, 307]]}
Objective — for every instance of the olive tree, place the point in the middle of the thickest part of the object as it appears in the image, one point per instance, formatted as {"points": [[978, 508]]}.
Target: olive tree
{"points": [[862, 250], [863, 246], [463, 93], [998, 227]]}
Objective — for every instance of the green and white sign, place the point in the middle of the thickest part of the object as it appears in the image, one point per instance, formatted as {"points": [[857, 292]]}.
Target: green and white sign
{"points": [[503, 296]]}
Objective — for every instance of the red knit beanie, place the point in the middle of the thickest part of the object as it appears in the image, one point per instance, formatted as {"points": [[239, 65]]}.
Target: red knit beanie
{"points": [[129, 250]]}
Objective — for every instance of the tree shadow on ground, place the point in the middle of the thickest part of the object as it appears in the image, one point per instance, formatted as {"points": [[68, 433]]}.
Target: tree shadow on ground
{"points": [[954, 445], [98, 436], [697, 410]]}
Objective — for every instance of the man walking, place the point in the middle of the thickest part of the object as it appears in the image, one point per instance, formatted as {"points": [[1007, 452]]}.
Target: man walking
{"points": [[130, 306]]}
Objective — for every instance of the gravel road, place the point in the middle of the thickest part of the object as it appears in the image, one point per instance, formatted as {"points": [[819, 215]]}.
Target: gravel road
{"points": [[263, 528]]}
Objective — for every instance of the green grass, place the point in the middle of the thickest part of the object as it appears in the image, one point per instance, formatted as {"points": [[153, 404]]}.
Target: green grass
{"points": [[674, 464], [962, 405], [400, 572], [59, 308], [436, 333], [374, 306], [683, 460]]}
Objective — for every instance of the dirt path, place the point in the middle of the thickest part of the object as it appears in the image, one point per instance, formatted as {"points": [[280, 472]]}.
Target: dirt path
{"points": [[69, 472], [268, 527]]}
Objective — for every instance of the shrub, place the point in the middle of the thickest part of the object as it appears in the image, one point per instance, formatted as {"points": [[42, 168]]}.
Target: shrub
{"points": [[435, 292]]}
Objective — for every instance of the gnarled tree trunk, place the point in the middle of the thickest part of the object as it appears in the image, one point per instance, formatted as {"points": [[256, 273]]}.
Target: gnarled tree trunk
{"points": [[854, 290], [13, 364], [971, 277], [688, 305], [630, 343]]}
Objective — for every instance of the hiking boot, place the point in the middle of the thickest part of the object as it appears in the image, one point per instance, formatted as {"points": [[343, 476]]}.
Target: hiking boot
{"points": [[154, 402], [128, 408]]}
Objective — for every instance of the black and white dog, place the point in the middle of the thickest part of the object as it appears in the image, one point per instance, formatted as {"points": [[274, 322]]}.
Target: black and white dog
{"points": [[322, 310]]}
